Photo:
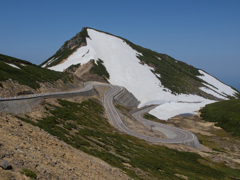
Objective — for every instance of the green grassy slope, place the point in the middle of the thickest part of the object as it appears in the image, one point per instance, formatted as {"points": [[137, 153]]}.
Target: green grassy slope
{"points": [[83, 126], [226, 114], [28, 74]]}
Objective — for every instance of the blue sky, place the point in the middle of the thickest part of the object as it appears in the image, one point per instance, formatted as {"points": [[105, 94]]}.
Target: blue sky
{"points": [[203, 33]]}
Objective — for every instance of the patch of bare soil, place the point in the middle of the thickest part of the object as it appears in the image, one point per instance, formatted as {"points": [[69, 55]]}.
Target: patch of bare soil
{"points": [[181, 176], [11, 88], [100, 91], [194, 124], [83, 72], [84, 68], [27, 146]]}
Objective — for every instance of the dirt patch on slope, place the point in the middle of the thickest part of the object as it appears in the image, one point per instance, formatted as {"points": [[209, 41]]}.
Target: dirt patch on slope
{"points": [[101, 91], [83, 72], [193, 123], [85, 68]]}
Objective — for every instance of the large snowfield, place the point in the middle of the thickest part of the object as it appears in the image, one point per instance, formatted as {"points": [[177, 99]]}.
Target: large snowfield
{"points": [[125, 70]]}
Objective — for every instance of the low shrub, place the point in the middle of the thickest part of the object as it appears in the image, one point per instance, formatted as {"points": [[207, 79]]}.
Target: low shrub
{"points": [[29, 173]]}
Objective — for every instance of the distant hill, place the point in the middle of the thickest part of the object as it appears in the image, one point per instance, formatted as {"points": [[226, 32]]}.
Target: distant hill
{"points": [[26, 73]]}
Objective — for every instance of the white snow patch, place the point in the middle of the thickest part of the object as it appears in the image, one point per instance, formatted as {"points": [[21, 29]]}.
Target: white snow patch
{"points": [[23, 64], [168, 110], [49, 62], [43, 66], [158, 75], [210, 91], [80, 56], [13, 65], [221, 87], [138, 54]]}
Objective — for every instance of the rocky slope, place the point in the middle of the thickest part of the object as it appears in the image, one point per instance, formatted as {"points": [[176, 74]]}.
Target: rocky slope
{"points": [[27, 146]]}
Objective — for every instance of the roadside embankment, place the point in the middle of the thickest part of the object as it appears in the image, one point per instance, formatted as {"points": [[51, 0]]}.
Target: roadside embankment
{"points": [[126, 98], [19, 106]]}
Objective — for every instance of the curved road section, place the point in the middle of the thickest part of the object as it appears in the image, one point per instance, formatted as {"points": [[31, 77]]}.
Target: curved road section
{"points": [[173, 134]]}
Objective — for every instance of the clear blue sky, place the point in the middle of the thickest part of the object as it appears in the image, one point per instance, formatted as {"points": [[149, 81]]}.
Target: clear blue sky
{"points": [[203, 33]]}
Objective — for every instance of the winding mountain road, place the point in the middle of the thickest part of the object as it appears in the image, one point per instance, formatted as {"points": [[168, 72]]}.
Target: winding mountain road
{"points": [[173, 134]]}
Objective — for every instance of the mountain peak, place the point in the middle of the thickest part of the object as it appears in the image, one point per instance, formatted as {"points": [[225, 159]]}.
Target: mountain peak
{"points": [[154, 78]]}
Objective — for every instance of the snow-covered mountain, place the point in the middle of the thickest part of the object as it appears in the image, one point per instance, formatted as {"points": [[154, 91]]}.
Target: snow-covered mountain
{"points": [[152, 77]]}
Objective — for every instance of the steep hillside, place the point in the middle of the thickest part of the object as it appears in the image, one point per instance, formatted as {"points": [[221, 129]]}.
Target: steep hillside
{"points": [[154, 78], [81, 122], [17, 75]]}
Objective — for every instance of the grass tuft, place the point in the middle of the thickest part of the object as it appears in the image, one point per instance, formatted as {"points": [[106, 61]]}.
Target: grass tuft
{"points": [[29, 173]]}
